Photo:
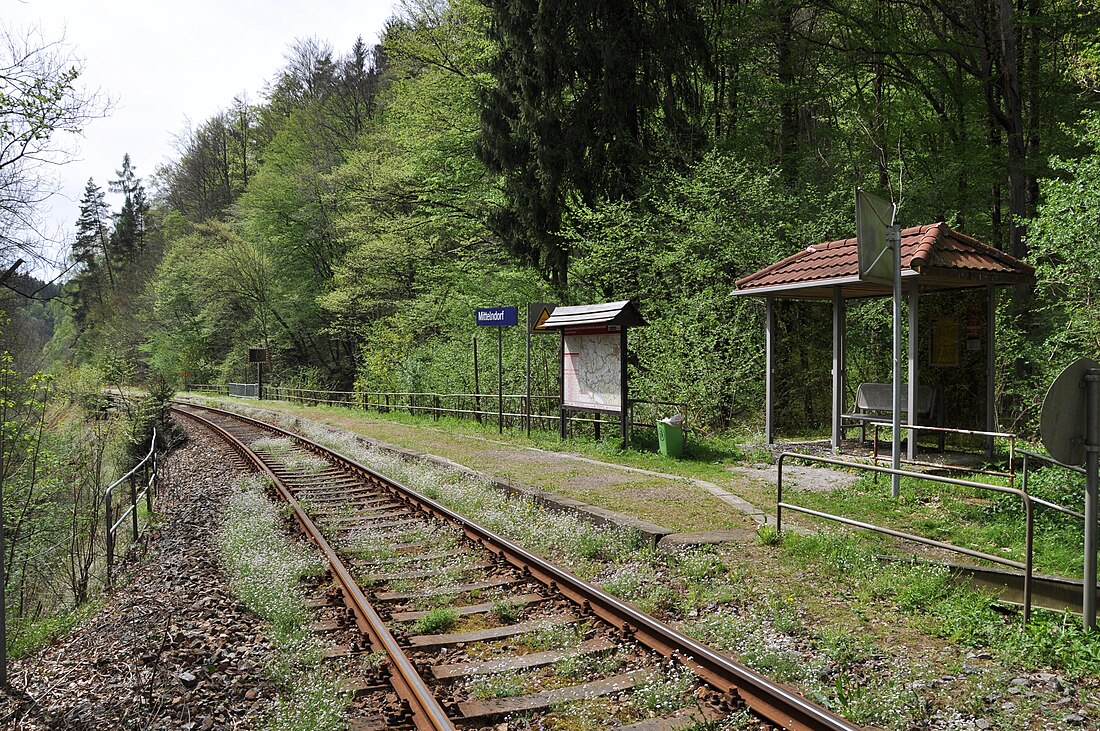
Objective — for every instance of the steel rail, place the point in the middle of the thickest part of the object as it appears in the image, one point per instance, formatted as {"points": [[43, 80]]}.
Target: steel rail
{"points": [[778, 704], [427, 714]]}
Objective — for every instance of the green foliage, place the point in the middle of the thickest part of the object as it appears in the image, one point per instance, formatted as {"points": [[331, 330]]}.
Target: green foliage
{"points": [[495, 153], [769, 535], [959, 614], [436, 620], [683, 244], [587, 128], [507, 611], [28, 637], [497, 685]]}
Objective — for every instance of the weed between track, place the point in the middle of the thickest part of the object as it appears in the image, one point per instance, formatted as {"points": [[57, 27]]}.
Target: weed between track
{"points": [[266, 572], [284, 451]]}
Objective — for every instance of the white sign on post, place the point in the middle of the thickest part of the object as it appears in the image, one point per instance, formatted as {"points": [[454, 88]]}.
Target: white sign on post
{"points": [[874, 218], [878, 243]]}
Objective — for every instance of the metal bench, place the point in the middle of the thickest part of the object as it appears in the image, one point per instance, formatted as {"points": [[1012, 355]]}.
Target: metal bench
{"points": [[875, 404]]}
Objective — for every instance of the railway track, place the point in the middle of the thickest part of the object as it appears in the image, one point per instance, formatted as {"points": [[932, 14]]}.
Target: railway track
{"points": [[474, 630]]}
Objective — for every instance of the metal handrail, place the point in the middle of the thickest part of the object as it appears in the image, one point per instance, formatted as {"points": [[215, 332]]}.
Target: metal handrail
{"points": [[1012, 449], [1046, 503], [1029, 511], [148, 492]]}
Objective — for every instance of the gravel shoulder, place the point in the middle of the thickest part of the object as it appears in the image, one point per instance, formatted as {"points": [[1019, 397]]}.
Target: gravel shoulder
{"points": [[171, 647]]}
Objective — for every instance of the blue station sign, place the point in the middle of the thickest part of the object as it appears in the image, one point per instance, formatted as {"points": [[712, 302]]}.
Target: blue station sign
{"points": [[496, 316]]}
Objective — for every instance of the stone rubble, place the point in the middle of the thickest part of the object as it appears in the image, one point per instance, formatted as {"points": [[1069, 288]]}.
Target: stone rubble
{"points": [[171, 648]]}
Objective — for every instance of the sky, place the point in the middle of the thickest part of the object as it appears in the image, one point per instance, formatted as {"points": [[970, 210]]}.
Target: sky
{"points": [[167, 65]]}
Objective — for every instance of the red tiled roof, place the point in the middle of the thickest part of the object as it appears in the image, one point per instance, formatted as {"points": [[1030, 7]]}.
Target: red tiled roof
{"points": [[933, 253]]}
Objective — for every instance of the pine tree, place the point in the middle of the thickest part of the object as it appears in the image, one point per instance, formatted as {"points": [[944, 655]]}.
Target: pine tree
{"points": [[586, 94], [91, 252], [128, 238]]}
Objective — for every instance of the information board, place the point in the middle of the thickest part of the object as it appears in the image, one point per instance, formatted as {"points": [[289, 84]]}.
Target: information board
{"points": [[592, 370]]}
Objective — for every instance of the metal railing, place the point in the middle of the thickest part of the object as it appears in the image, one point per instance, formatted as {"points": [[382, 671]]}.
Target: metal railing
{"points": [[1012, 449], [147, 467], [541, 411], [1029, 512], [243, 390], [1027, 456]]}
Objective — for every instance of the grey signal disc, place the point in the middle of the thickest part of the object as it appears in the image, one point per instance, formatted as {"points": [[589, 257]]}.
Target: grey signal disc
{"points": [[1062, 420]]}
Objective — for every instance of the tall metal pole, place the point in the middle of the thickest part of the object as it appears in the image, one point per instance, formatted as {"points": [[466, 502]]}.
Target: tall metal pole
{"points": [[990, 366], [838, 369], [500, 381], [769, 367], [625, 395], [527, 403], [914, 378], [895, 479], [477, 386], [1092, 463]]}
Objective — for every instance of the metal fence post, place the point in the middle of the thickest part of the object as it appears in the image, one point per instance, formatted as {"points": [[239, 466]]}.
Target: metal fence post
{"points": [[110, 538], [150, 483], [133, 506]]}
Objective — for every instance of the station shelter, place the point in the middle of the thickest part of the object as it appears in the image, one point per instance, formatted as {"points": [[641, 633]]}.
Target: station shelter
{"points": [[934, 258]]}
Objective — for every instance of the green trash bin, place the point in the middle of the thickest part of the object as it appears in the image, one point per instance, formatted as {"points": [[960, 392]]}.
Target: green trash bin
{"points": [[670, 439]]}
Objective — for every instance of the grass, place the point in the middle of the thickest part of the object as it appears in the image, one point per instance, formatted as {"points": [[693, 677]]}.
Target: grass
{"points": [[497, 685], [968, 517], [677, 504], [961, 615], [440, 619], [285, 452], [507, 611], [553, 638], [26, 638], [581, 666], [266, 572]]}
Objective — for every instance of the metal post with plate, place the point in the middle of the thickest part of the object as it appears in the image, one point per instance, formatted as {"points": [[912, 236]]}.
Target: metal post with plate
{"points": [[1069, 425], [878, 238], [537, 314], [259, 357], [500, 318]]}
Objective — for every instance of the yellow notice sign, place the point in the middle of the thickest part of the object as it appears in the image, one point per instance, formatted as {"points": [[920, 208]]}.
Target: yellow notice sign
{"points": [[945, 343], [537, 314]]}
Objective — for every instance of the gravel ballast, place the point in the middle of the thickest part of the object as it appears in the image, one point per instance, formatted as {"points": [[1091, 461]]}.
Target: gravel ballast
{"points": [[171, 647]]}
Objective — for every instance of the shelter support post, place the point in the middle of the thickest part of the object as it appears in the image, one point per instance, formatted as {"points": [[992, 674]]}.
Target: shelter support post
{"points": [[561, 386], [769, 368], [1092, 464], [839, 314], [895, 422], [914, 365], [990, 365], [624, 413]]}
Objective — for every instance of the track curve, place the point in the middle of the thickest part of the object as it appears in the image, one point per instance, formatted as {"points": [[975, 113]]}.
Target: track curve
{"points": [[730, 683]]}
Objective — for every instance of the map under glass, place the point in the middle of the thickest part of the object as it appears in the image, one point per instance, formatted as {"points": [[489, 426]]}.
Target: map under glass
{"points": [[592, 368]]}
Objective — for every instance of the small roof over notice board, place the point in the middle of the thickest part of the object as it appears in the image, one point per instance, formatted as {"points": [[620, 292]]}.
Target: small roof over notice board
{"points": [[623, 314]]}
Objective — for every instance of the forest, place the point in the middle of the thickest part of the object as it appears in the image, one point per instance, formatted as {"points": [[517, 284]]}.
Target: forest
{"points": [[496, 152]]}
